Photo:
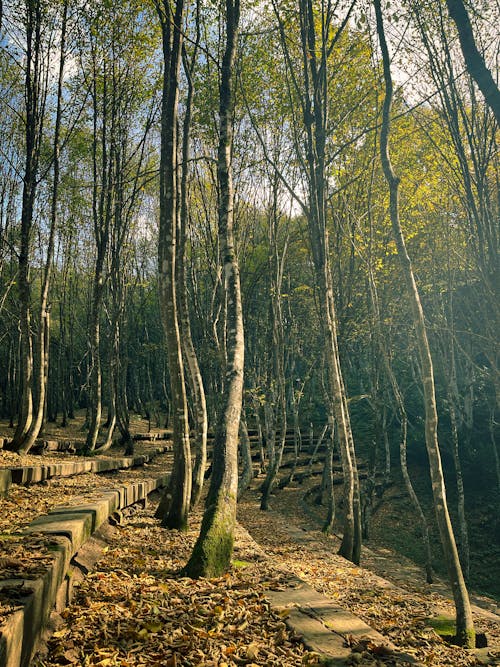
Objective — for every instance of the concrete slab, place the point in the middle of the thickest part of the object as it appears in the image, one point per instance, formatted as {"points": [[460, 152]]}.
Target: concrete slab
{"points": [[324, 626], [28, 474], [72, 528], [98, 510], [11, 640], [20, 632], [315, 638]]}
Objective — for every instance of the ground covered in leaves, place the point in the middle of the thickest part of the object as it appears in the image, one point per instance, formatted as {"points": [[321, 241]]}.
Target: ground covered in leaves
{"points": [[399, 610], [27, 556], [135, 608]]}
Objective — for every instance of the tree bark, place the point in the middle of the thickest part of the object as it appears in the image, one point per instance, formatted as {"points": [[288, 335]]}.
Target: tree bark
{"points": [[315, 114], [474, 60], [246, 455], [188, 349], [44, 316], [32, 139]]}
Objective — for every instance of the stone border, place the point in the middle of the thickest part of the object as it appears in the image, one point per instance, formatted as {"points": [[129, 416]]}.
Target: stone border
{"points": [[26, 475], [71, 527]]}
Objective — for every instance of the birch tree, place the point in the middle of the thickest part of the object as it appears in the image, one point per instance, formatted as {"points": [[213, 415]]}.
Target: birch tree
{"points": [[175, 503]]}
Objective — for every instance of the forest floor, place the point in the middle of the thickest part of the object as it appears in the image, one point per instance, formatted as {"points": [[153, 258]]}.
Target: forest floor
{"points": [[134, 608]]}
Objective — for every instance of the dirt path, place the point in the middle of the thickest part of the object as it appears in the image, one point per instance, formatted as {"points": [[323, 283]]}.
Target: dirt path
{"points": [[389, 593], [135, 609]]}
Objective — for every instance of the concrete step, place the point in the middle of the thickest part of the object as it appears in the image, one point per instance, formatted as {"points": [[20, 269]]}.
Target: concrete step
{"points": [[327, 629], [26, 475], [67, 529]]}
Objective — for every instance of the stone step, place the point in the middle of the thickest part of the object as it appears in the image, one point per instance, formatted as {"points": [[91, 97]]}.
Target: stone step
{"points": [[68, 528], [26, 475], [327, 629]]}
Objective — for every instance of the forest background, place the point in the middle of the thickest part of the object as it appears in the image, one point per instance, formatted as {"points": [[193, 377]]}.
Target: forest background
{"points": [[83, 150]]}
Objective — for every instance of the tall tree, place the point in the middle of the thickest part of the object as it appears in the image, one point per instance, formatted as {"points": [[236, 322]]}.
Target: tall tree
{"points": [[464, 625], [175, 504], [474, 60], [34, 117], [188, 349], [213, 549], [318, 38], [41, 369]]}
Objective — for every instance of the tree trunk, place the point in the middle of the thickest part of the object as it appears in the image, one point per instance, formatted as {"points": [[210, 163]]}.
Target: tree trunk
{"points": [[464, 625], [327, 486], [180, 485], [32, 139], [188, 349], [44, 316], [473, 59], [212, 552], [315, 53], [246, 455]]}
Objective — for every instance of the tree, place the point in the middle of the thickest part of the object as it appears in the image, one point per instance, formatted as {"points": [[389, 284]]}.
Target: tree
{"points": [[176, 500], [188, 349], [464, 625], [212, 552], [35, 93], [473, 58], [318, 37]]}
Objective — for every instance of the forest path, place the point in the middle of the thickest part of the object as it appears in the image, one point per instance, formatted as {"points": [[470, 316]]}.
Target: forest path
{"points": [[388, 592], [135, 609]]}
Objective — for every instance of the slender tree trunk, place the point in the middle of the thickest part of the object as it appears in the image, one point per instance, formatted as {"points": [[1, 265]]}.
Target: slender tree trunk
{"points": [[188, 349], [212, 552], [411, 491], [101, 210], [246, 455], [180, 485], [95, 377], [44, 317], [328, 480], [276, 402], [32, 139], [315, 52], [463, 546], [464, 624], [318, 444], [403, 418]]}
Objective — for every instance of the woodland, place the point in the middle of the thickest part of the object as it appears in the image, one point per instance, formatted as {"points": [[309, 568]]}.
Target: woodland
{"points": [[270, 229]]}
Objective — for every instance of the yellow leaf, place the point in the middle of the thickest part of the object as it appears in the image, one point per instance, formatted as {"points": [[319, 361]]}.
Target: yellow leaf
{"points": [[153, 627], [252, 651], [61, 633]]}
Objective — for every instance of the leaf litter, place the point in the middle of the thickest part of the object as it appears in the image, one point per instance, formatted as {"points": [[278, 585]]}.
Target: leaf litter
{"points": [[136, 609]]}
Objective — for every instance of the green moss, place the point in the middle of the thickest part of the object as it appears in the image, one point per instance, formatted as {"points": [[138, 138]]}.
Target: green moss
{"points": [[446, 628], [240, 563], [212, 552], [467, 639], [443, 625]]}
